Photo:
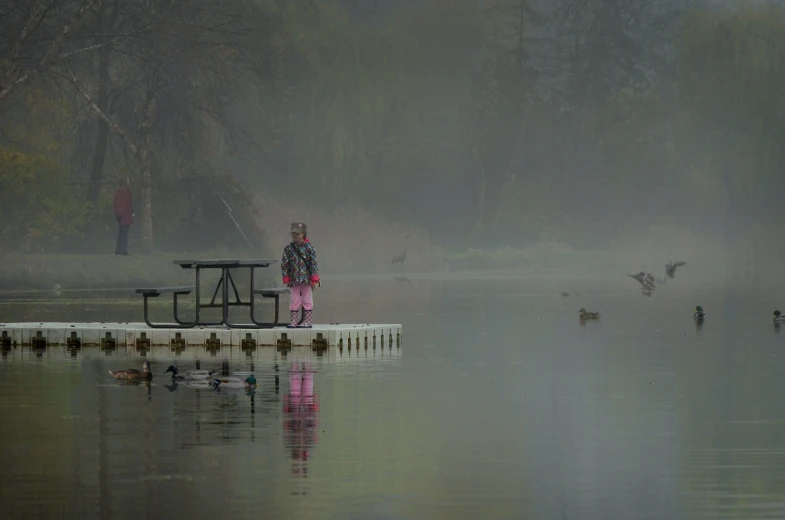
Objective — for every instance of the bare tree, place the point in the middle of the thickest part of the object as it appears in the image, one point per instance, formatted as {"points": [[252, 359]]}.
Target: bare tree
{"points": [[173, 79], [46, 29]]}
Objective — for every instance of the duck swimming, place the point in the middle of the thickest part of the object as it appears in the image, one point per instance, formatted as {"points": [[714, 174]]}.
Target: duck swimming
{"points": [[698, 315], [132, 374], [189, 374], [234, 382], [778, 317], [586, 315]]}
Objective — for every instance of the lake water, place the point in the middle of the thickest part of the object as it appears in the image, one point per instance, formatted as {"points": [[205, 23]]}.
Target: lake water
{"points": [[499, 404]]}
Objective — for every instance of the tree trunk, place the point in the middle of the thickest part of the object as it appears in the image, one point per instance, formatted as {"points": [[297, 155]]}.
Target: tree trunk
{"points": [[102, 102], [146, 216]]}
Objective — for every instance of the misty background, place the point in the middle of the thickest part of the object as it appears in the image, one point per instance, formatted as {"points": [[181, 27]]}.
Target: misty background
{"points": [[507, 133]]}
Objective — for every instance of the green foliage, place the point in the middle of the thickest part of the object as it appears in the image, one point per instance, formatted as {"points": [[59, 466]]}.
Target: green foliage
{"points": [[41, 210]]}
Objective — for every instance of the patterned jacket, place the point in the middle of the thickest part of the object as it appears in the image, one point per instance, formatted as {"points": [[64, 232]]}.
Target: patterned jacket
{"points": [[296, 272]]}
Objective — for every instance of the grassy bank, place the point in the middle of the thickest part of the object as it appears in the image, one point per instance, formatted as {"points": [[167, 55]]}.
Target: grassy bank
{"points": [[40, 272], [30, 271]]}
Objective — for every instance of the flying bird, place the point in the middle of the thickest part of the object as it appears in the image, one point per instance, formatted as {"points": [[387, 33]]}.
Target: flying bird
{"points": [[670, 268], [645, 279]]}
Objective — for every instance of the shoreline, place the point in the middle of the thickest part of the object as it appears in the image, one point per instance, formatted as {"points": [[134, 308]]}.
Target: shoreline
{"points": [[40, 273]]}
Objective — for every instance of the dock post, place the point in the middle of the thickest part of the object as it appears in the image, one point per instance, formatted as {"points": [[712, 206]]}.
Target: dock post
{"points": [[225, 368]]}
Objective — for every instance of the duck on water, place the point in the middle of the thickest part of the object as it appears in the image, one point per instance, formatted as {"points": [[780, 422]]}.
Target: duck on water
{"points": [[234, 382], [193, 375], [132, 374], [588, 315]]}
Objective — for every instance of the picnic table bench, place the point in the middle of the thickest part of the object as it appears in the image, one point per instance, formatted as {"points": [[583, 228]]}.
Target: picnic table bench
{"points": [[225, 282], [154, 292]]}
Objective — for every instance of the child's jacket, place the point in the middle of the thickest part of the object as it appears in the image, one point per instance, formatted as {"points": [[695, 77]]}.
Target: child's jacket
{"points": [[296, 270]]}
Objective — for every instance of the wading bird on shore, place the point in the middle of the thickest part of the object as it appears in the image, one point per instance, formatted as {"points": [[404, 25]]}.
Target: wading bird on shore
{"points": [[399, 258]]}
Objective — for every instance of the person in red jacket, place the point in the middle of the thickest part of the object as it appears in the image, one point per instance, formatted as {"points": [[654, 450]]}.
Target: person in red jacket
{"points": [[124, 214]]}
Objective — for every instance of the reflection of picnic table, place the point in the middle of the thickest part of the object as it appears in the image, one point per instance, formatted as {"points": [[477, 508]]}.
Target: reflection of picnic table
{"points": [[224, 283]]}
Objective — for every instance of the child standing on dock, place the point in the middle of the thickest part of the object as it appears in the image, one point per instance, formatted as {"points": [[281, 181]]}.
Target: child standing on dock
{"points": [[300, 273]]}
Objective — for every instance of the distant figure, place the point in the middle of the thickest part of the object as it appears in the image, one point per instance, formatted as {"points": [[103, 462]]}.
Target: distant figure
{"points": [[698, 315], [124, 214], [301, 274], [670, 268], [399, 258]]}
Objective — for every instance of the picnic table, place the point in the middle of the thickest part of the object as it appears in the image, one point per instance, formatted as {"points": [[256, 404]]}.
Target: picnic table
{"points": [[225, 282]]}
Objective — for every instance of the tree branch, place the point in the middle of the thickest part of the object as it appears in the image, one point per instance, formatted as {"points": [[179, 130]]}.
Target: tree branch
{"points": [[51, 54], [26, 30], [102, 115]]}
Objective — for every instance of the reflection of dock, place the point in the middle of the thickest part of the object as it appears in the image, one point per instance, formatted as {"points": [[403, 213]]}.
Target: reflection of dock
{"points": [[140, 336], [64, 354]]}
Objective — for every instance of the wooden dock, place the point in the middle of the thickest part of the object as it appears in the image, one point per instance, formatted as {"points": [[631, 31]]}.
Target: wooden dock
{"points": [[141, 337]]}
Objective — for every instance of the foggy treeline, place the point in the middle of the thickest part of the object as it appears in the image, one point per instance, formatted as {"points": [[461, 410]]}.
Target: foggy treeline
{"points": [[480, 123]]}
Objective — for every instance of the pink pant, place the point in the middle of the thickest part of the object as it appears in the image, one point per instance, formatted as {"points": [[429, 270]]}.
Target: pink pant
{"points": [[301, 295]]}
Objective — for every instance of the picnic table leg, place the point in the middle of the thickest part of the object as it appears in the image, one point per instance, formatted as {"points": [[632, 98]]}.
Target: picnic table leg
{"points": [[175, 312], [234, 287], [253, 306], [225, 275], [178, 325], [146, 318], [217, 288], [177, 317], [199, 300], [255, 324], [266, 325], [198, 296], [253, 299]]}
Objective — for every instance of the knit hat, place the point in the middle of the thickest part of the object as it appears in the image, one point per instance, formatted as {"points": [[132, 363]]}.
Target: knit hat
{"points": [[299, 227]]}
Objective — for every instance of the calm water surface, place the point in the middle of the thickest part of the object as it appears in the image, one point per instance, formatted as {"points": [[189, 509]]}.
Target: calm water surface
{"points": [[499, 404]]}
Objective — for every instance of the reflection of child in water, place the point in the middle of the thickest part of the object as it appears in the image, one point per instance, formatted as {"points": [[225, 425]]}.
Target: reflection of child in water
{"points": [[301, 407]]}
